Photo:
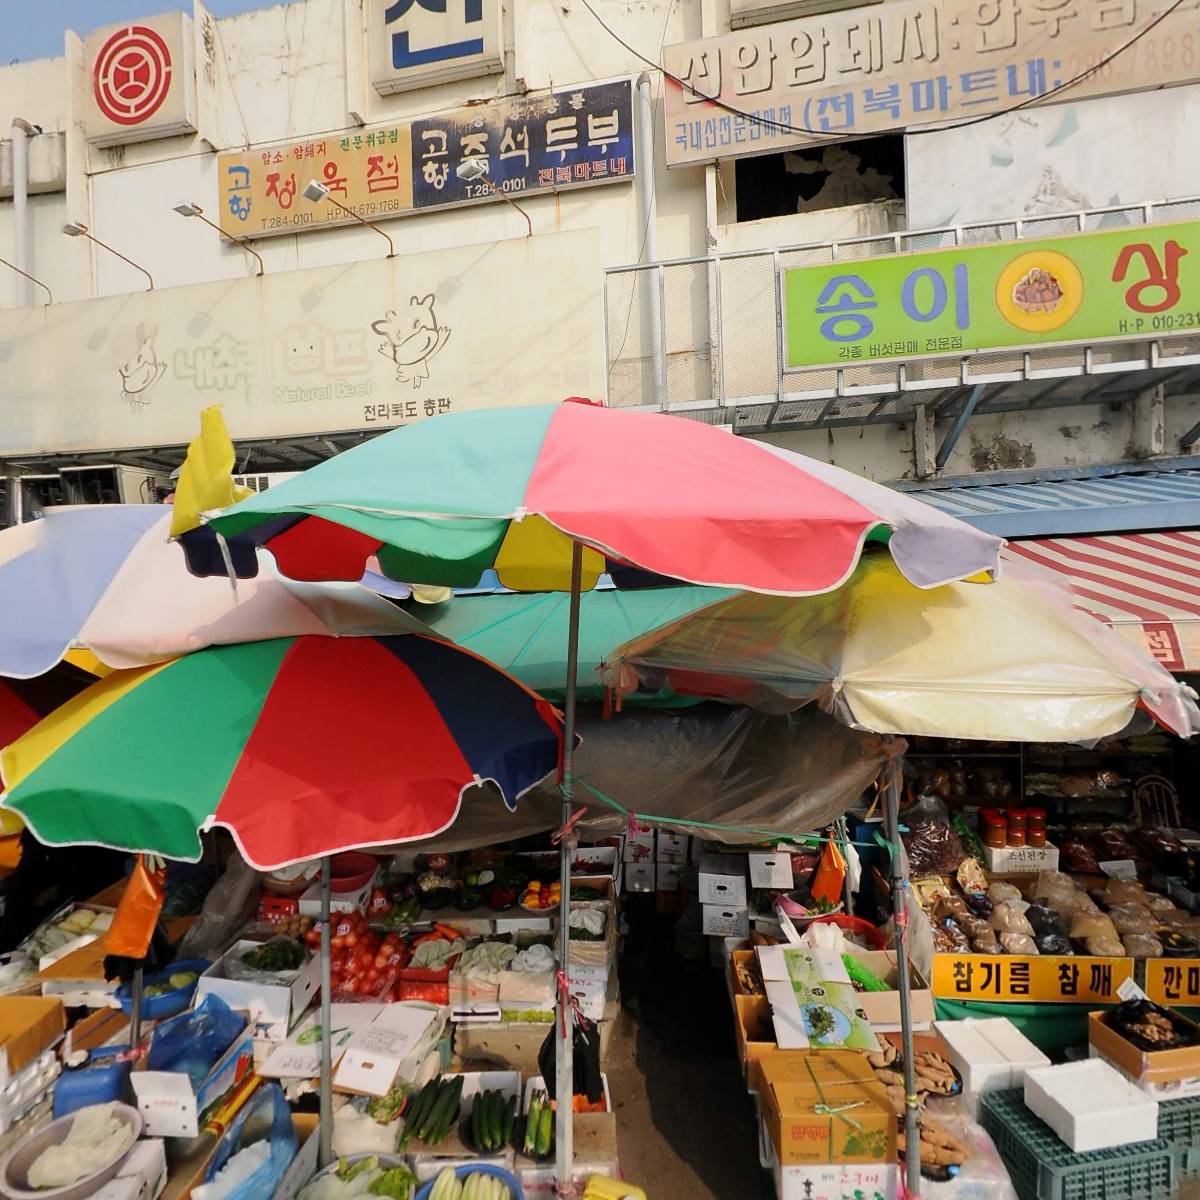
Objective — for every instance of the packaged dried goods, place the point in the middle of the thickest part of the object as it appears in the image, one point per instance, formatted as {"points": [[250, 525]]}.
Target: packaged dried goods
{"points": [[974, 927], [1007, 919], [948, 938], [1123, 891], [1092, 925], [1018, 943], [1045, 922], [1105, 947], [987, 944], [1132, 918], [952, 908], [932, 846], [1003, 891], [1077, 855], [1160, 905], [1054, 943], [1150, 1027], [1142, 945]]}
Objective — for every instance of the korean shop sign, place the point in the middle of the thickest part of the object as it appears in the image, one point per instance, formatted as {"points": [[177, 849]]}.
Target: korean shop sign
{"points": [[911, 62], [416, 43], [578, 137], [1173, 981], [1130, 283], [1031, 979]]}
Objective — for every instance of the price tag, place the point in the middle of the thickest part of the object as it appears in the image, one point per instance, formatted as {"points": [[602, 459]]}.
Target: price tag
{"points": [[1173, 981], [1030, 979]]}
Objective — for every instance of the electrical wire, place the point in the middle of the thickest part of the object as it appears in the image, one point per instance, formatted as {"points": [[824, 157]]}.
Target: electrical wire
{"points": [[842, 134]]}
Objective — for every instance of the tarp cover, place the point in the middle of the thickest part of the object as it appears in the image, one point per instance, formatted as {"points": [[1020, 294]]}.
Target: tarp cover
{"points": [[783, 774]]}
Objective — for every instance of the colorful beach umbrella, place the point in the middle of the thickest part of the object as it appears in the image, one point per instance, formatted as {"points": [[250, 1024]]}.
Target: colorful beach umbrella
{"points": [[441, 501], [1015, 661], [300, 747], [106, 577]]}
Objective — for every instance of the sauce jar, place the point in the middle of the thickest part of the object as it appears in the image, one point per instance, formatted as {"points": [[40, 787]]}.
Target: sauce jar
{"points": [[1035, 826], [995, 831]]}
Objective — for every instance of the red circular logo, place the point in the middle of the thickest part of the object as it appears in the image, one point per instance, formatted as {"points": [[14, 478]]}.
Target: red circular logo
{"points": [[132, 75]]}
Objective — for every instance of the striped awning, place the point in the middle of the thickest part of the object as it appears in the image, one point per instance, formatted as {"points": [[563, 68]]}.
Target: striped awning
{"points": [[1145, 585]]}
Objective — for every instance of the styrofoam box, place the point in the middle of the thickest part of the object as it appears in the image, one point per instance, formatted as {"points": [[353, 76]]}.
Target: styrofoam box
{"points": [[666, 877], [771, 870], [640, 877], [719, 920], [639, 847], [722, 879], [990, 1054], [1090, 1105], [671, 847]]}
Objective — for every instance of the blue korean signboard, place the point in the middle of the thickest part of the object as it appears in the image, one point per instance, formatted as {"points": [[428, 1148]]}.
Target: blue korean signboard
{"points": [[575, 137]]}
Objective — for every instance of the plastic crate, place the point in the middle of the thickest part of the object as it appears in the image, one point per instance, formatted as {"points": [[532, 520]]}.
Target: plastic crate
{"points": [[1043, 1167], [1179, 1124]]}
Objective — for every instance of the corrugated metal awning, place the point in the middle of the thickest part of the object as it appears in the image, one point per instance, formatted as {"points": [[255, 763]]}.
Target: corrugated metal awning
{"points": [[1110, 503], [1145, 585]]}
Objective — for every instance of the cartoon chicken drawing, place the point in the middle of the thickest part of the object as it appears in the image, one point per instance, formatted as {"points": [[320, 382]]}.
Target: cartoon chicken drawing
{"points": [[142, 371], [412, 339]]}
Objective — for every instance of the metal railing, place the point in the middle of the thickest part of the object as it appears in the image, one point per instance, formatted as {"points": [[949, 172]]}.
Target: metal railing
{"points": [[705, 336]]}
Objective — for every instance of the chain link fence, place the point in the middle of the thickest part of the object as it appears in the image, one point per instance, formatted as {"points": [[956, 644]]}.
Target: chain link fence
{"points": [[705, 336]]}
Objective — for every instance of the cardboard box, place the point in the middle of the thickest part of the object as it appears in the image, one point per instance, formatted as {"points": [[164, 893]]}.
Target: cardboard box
{"points": [[142, 1176], [1016, 860], [172, 1106], [640, 876], [755, 1033], [991, 1055], [795, 1089], [638, 847], [771, 870], [883, 1008], [595, 1147], [1161, 1074], [589, 986], [78, 978], [1091, 1105], [272, 1008], [428, 1160], [666, 877], [880, 1181], [393, 1043], [671, 848], [722, 879], [746, 959], [28, 1025], [720, 921]]}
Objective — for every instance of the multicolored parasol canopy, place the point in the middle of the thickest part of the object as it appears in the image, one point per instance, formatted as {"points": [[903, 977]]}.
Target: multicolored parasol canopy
{"points": [[300, 746], [650, 495]]}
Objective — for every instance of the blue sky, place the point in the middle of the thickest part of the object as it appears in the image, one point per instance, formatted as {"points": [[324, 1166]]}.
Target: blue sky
{"points": [[39, 32]]}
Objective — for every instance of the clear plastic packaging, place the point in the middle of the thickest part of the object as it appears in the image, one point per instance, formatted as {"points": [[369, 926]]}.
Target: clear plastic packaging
{"points": [[1132, 918], [1142, 945], [1053, 943], [1092, 925], [1006, 919], [932, 845], [975, 927], [1018, 943], [1123, 891], [948, 938], [1045, 922], [1105, 947], [986, 945], [1003, 891], [1160, 905]]}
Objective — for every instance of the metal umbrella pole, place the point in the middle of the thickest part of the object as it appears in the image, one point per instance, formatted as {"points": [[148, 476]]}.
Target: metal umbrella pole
{"points": [[564, 1050], [136, 993], [325, 1145], [912, 1129]]}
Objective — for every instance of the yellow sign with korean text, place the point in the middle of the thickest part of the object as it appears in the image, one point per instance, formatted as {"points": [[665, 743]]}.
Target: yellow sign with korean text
{"points": [[1173, 981], [367, 170], [1029, 979], [860, 70]]}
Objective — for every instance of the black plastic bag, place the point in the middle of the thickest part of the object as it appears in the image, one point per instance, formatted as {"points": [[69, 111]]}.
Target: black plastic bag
{"points": [[587, 1060]]}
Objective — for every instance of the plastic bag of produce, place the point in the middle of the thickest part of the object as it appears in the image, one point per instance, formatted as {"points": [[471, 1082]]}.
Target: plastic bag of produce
{"points": [[1142, 945], [1007, 919], [275, 963], [948, 938], [932, 846], [1092, 925], [1104, 947], [1078, 856], [986, 945], [254, 1152], [227, 907], [193, 1041], [1018, 943], [975, 927], [1132, 918], [1053, 943], [1003, 891]]}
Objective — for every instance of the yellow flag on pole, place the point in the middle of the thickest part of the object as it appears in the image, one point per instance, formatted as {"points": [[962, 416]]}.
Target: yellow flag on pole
{"points": [[206, 481]]}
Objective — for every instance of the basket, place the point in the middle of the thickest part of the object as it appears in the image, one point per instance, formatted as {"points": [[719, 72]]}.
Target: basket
{"points": [[505, 1177], [1179, 1124], [1043, 1167], [854, 925]]}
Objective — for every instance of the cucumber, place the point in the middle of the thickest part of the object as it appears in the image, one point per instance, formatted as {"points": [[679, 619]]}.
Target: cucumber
{"points": [[531, 1123], [545, 1131], [477, 1123], [510, 1120], [496, 1122], [431, 1115], [417, 1112], [446, 1111]]}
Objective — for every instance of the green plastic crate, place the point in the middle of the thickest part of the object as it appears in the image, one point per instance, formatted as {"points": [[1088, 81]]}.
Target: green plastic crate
{"points": [[1179, 1124], [1043, 1167]]}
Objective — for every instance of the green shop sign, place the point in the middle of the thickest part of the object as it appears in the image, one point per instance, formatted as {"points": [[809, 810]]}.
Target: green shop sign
{"points": [[1091, 287]]}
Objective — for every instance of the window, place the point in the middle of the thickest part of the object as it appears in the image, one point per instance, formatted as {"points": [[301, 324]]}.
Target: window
{"points": [[820, 177]]}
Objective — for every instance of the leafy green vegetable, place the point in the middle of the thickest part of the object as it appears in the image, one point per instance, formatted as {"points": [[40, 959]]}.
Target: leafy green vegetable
{"points": [[396, 1183], [387, 1108], [347, 1170]]}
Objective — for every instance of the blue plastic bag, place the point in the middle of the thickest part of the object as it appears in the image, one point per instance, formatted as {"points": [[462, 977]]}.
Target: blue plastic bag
{"points": [[265, 1117], [193, 1041]]}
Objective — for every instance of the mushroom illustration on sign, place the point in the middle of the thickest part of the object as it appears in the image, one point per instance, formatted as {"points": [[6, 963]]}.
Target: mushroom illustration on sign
{"points": [[412, 338], [143, 370]]}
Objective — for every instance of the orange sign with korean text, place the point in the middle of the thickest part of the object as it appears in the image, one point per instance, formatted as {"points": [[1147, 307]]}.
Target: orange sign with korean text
{"points": [[1029, 979], [1173, 981]]}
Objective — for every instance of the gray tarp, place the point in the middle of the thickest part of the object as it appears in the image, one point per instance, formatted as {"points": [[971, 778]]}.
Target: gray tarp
{"points": [[732, 766]]}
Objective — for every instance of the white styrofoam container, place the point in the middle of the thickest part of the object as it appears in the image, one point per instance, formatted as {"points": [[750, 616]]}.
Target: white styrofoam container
{"points": [[990, 1054], [638, 847], [722, 879], [671, 847], [640, 876], [718, 920], [1090, 1105], [666, 877]]}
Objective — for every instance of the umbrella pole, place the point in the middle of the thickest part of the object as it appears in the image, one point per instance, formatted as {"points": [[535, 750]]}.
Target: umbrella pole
{"points": [[136, 992], [564, 1051], [912, 1132], [325, 1146]]}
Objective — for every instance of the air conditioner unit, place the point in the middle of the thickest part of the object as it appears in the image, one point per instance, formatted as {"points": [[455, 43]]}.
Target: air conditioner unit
{"points": [[105, 484], [261, 481]]}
